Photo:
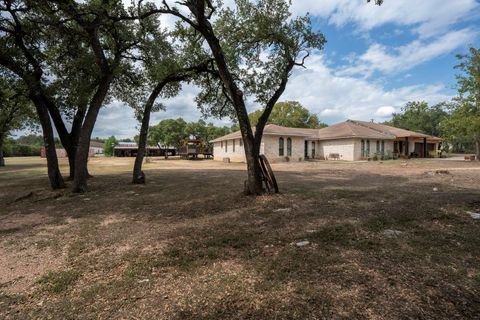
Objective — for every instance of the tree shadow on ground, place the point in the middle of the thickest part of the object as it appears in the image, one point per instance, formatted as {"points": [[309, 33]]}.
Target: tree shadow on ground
{"points": [[224, 255]]}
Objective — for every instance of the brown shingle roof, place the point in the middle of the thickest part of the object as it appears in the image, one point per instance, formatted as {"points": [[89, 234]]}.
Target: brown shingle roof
{"points": [[96, 144], [350, 129], [397, 132], [273, 130], [343, 130]]}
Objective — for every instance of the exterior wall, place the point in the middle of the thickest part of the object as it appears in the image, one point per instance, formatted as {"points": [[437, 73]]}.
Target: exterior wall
{"points": [[348, 149], [344, 147], [269, 147], [97, 150], [220, 151], [318, 149], [373, 147]]}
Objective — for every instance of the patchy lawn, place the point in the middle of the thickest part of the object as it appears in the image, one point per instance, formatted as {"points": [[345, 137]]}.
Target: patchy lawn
{"points": [[375, 240]]}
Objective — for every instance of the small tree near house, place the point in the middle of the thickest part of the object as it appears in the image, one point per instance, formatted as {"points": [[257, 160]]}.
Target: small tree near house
{"points": [[464, 120], [16, 110]]}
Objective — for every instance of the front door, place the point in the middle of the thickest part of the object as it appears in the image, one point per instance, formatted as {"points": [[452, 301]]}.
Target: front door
{"points": [[306, 150]]}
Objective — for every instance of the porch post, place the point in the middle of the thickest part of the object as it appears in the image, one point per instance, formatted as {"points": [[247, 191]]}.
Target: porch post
{"points": [[425, 147], [406, 146]]}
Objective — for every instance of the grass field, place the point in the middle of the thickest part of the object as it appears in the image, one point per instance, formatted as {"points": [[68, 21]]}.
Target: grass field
{"points": [[384, 240]]}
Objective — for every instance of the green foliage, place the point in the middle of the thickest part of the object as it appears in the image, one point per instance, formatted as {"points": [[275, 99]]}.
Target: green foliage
{"points": [[261, 43], [170, 132], [31, 139], [464, 121], [420, 117], [58, 281], [109, 145], [12, 148], [16, 111], [289, 114]]}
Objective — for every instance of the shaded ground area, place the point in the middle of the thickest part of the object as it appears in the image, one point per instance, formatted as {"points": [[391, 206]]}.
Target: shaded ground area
{"points": [[387, 240]]}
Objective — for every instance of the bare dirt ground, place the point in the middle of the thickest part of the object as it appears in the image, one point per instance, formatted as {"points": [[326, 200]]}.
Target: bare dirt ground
{"points": [[381, 240]]}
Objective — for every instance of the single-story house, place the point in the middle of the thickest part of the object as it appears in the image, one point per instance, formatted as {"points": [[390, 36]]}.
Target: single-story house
{"points": [[350, 140], [97, 147]]}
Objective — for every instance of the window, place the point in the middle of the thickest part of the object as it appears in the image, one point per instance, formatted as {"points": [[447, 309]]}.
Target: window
{"points": [[368, 148], [241, 142], [378, 147], [280, 147], [221, 144], [233, 145], [289, 147], [226, 145], [383, 147], [363, 148]]}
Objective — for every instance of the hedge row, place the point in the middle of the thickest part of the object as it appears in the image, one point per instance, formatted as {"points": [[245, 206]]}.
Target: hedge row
{"points": [[21, 150]]}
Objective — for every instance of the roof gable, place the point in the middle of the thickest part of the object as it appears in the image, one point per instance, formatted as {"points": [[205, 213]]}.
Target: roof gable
{"points": [[342, 130]]}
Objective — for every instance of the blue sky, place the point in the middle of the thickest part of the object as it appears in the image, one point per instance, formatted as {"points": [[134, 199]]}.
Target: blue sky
{"points": [[376, 59]]}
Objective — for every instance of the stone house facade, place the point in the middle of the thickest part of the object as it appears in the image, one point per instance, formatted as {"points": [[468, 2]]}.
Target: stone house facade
{"points": [[350, 140]]}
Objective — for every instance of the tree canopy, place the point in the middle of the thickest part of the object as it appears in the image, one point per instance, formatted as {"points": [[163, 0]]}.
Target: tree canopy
{"points": [[289, 114], [16, 110], [464, 120], [109, 145], [170, 132], [420, 117]]}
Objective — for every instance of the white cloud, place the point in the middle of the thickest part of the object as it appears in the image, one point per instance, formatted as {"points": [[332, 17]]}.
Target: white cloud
{"points": [[391, 60], [333, 97], [119, 120], [385, 112], [336, 98], [337, 95], [428, 17]]}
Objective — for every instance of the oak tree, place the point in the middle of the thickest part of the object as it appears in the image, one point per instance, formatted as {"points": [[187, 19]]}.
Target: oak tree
{"points": [[16, 110]]}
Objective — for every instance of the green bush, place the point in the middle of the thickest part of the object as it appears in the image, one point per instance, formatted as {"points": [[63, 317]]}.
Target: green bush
{"points": [[21, 150]]}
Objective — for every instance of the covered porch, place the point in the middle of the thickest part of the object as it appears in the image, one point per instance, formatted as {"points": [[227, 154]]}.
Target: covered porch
{"points": [[416, 146]]}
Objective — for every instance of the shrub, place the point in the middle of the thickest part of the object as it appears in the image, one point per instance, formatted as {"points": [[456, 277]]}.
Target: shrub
{"points": [[21, 150]]}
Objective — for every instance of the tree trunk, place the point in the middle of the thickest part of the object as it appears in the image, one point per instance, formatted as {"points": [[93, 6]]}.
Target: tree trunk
{"points": [[69, 139], [2, 160], [71, 154], [71, 162], [54, 174], [253, 185], [81, 156], [138, 174], [477, 145]]}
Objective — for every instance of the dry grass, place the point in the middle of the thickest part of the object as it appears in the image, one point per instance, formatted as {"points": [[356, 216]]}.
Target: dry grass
{"points": [[188, 245]]}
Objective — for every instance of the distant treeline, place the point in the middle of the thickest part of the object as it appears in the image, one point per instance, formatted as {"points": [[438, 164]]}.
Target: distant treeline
{"points": [[28, 146]]}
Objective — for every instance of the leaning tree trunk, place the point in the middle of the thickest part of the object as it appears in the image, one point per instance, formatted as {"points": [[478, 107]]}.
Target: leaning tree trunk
{"points": [[54, 174], [253, 185], [81, 156], [2, 160], [477, 145], [138, 174], [254, 172], [71, 154]]}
